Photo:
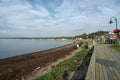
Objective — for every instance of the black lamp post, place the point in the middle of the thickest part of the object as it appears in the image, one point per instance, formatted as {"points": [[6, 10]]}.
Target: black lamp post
{"points": [[115, 30]]}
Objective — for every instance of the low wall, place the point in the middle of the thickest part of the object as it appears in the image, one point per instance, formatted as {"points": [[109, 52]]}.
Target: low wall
{"points": [[91, 69]]}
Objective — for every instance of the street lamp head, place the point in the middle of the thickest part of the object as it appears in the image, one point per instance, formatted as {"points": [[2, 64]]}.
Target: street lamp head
{"points": [[111, 22]]}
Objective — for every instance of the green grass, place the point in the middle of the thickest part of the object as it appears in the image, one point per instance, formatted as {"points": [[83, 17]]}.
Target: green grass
{"points": [[117, 48], [67, 65]]}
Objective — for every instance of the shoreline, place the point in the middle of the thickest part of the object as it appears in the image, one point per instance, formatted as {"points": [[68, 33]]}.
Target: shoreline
{"points": [[41, 51], [20, 66], [48, 68], [13, 48]]}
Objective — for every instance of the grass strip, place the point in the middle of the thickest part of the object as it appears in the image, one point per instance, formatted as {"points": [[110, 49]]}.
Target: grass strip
{"points": [[67, 65], [117, 48]]}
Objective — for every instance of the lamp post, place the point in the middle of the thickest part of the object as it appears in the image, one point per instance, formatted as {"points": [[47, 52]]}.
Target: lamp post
{"points": [[115, 30], [112, 21]]}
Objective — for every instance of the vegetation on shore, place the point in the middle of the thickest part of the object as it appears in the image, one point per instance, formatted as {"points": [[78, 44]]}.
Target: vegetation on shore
{"points": [[92, 35], [68, 65]]}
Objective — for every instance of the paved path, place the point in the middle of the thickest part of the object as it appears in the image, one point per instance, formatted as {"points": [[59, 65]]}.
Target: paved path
{"points": [[105, 64]]}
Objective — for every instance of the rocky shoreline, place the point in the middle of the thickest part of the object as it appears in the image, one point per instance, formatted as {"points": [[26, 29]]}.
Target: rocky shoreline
{"points": [[16, 68]]}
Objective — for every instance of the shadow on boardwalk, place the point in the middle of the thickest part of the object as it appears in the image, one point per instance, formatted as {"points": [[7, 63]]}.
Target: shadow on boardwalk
{"points": [[107, 63]]}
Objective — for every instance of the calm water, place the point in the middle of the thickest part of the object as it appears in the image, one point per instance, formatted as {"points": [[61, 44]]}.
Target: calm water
{"points": [[13, 47]]}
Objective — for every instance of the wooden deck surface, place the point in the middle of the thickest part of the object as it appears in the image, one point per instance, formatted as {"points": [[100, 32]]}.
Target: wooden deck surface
{"points": [[104, 64]]}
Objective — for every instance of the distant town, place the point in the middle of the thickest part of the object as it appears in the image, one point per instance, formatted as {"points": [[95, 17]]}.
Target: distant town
{"points": [[83, 36], [105, 37]]}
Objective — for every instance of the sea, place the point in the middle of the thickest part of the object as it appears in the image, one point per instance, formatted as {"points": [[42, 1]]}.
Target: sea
{"points": [[15, 47]]}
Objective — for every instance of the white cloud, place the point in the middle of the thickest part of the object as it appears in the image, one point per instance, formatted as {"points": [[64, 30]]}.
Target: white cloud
{"points": [[22, 18]]}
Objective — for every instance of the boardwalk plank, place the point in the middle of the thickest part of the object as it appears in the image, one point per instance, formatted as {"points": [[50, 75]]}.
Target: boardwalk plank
{"points": [[115, 65], [97, 75], [108, 67], [106, 63]]}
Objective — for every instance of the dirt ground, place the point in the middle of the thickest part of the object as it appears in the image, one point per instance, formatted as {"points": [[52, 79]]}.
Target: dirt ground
{"points": [[15, 68]]}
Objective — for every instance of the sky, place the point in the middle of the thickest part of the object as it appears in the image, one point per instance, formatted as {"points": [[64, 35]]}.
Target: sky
{"points": [[55, 18]]}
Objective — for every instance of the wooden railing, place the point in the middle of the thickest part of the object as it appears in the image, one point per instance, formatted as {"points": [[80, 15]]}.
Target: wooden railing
{"points": [[91, 69]]}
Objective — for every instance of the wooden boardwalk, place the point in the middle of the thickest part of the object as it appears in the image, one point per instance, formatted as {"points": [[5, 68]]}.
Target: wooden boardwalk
{"points": [[104, 64]]}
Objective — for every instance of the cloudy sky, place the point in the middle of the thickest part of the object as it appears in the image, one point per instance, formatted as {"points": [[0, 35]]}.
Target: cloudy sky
{"points": [[46, 18]]}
